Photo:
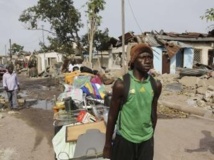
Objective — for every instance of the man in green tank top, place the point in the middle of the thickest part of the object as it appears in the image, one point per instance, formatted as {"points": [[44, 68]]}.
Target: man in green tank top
{"points": [[135, 124]]}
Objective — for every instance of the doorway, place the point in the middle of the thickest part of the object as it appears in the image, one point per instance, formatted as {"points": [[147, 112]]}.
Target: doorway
{"points": [[210, 57], [165, 63]]}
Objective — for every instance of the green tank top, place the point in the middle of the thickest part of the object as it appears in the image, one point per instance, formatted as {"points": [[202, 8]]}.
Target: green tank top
{"points": [[135, 116]]}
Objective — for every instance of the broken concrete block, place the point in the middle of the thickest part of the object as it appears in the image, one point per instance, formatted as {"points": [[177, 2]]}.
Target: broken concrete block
{"points": [[199, 82], [174, 87], [201, 90], [12, 112], [2, 100], [211, 88], [201, 103], [209, 96], [192, 95], [188, 81], [210, 81], [22, 101], [191, 102], [199, 96], [209, 114]]}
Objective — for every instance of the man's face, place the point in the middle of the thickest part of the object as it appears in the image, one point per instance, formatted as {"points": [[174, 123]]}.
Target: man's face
{"points": [[10, 70], [144, 62]]}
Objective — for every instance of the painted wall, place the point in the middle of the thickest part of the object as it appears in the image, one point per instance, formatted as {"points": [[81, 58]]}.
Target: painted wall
{"points": [[187, 58], [173, 65], [43, 58], [157, 51], [204, 47]]}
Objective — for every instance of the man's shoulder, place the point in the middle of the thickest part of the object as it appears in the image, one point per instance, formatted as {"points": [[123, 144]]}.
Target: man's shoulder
{"points": [[5, 74]]}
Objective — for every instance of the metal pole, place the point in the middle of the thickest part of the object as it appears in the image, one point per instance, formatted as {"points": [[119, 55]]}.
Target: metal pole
{"points": [[43, 37], [10, 50], [123, 33], [5, 50], [123, 27], [43, 46]]}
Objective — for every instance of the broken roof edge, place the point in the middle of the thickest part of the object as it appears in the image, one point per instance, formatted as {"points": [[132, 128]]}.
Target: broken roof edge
{"points": [[172, 47], [181, 44], [198, 39]]}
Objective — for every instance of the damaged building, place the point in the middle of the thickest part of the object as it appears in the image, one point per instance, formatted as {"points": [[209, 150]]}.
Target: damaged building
{"points": [[171, 50]]}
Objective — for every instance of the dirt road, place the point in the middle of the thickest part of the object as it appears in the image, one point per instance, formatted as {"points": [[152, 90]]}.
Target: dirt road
{"points": [[27, 135], [175, 139], [184, 139], [22, 140]]}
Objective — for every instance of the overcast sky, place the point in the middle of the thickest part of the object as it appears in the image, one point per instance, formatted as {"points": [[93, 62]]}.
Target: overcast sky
{"points": [[170, 15]]}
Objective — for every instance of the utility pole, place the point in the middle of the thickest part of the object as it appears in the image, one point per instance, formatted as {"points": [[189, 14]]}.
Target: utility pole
{"points": [[5, 47], [123, 35], [43, 38], [10, 50]]}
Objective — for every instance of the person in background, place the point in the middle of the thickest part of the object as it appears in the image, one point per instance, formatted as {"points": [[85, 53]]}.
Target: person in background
{"points": [[71, 65], [136, 120], [11, 86]]}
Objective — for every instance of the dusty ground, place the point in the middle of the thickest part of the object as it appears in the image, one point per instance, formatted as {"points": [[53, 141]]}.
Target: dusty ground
{"points": [[27, 134], [40, 88]]}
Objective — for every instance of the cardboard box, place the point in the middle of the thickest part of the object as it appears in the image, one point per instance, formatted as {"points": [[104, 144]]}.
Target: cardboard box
{"points": [[73, 132]]}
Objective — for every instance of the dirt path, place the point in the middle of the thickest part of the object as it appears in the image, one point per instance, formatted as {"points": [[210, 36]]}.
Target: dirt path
{"points": [[27, 134], [184, 139], [23, 139], [175, 139]]}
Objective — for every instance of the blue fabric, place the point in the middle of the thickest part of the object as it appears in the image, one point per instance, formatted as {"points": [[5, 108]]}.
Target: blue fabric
{"points": [[85, 90], [97, 94]]}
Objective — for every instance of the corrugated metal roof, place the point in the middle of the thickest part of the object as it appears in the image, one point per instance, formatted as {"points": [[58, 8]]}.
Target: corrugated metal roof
{"points": [[181, 44], [151, 40], [186, 39], [172, 48], [186, 34]]}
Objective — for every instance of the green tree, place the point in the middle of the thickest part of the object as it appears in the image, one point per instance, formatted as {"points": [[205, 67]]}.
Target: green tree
{"points": [[100, 42], [65, 21], [209, 15], [94, 20], [16, 48]]}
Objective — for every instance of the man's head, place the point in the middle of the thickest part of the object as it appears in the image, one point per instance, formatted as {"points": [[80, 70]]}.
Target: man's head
{"points": [[10, 68], [141, 57], [73, 61]]}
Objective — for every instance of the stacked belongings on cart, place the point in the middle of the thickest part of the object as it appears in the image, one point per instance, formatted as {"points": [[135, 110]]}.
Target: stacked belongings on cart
{"points": [[80, 117]]}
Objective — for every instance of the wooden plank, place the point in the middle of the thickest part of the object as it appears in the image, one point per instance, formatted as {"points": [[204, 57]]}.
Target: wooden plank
{"points": [[73, 132]]}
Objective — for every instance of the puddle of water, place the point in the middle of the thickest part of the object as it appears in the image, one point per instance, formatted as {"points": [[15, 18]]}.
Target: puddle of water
{"points": [[43, 104], [3, 94], [23, 93], [34, 103]]}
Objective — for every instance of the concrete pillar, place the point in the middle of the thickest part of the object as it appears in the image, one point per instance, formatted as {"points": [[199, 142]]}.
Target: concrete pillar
{"points": [[204, 56]]}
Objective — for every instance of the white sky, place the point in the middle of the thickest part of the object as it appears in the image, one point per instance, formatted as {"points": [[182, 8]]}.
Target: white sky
{"points": [[170, 15]]}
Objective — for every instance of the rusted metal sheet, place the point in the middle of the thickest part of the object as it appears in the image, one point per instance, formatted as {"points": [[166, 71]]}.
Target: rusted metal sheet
{"points": [[171, 48]]}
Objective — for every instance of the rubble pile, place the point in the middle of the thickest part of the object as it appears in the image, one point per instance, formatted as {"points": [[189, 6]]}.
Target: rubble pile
{"points": [[200, 90], [189, 91], [166, 112]]}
